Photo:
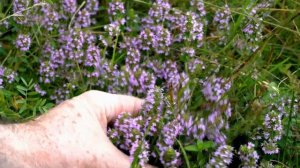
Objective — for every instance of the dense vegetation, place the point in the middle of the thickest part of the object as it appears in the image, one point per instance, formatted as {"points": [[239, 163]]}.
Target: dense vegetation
{"points": [[220, 78]]}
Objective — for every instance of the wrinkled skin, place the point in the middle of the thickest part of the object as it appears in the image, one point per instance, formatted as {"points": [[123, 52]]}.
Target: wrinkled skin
{"points": [[73, 134]]}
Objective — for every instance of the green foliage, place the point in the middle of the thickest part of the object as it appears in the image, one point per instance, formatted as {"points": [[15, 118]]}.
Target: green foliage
{"points": [[23, 105], [272, 69]]}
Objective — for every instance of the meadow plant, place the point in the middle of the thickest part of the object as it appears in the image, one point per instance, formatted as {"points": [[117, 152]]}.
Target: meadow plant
{"points": [[248, 156], [219, 80]]}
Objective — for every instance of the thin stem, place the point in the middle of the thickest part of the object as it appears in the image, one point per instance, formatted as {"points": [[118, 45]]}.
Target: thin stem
{"points": [[16, 14], [9, 53], [73, 16], [288, 126], [184, 154], [114, 51]]}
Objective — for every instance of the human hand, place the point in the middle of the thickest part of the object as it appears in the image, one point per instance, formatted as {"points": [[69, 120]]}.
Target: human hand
{"points": [[73, 134]]}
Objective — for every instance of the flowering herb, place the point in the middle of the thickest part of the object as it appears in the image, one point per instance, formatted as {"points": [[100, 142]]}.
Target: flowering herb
{"points": [[209, 72]]}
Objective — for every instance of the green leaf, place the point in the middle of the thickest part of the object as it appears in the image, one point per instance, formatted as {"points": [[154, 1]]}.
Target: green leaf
{"points": [[23, 108], [205, 145], [24, 81], [21, 101], [10, 115], [22, 92], [19, 87], [49, 1], [32, 93], [33, 99], [191, 148]]}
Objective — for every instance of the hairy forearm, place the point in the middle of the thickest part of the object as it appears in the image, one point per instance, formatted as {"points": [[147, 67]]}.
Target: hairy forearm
{"points": [[8, 156], [8, 161]]}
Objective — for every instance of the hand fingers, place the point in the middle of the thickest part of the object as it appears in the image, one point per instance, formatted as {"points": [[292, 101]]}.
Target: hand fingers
{"points": [[109, 106]]}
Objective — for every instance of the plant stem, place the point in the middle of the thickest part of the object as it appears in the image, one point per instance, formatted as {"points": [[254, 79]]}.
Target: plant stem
{"points": [[184, 154]]}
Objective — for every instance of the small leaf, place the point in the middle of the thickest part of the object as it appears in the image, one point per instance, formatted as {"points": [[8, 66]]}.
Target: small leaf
{"points": [[32, 93], [205, 145], [49, 105], [24, 81], [23, 108], [22, 92], [21, 101], [19, 87], [191, 148]]}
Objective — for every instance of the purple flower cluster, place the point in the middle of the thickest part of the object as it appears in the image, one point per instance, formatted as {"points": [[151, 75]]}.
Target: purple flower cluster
{"points": [[194, 28], [62, 93], [7, 76], [116, 7], [272, 132], [92, 6], [83, 19], [199, 7], [169, 157], [283, 105], [159, 11], [23, 42], [248, 156], [221, 157], [196, 65], [69, 6], [254, 26], [1, 77], [222, 18], [221, 22], [193, 128], [214, 88], [140, 149], [189, 51], [128, 133], [157, 38], [50, 18], [21, 12], [38, 89]]}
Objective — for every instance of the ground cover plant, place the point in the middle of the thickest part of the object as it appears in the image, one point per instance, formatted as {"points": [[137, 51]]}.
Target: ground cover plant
{"points": [[220, 79]]}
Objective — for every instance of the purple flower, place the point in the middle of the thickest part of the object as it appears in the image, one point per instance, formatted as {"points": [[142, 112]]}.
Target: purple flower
{"points": [[113, 28], [199, 6], [195, 64], [159, 10], [50, 19], [38, 89], [214, 88], [116, 7], [221, 22], [168, 156], [189, 51], [92, 6], [1, 76], [222, 18], [83, 19], [248, 156], [19, 7], [154, 101], [69, 6], [221, 157], [272, 132], [23, 42], [140, 149]]}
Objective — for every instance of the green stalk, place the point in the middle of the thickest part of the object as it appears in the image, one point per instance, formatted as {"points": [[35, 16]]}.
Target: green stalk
{"points": [[184, 154], [114, 51], [288, 127]]}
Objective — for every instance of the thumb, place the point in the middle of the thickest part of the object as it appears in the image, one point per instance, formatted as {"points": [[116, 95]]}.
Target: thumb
{"points": [[108, 106]]}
